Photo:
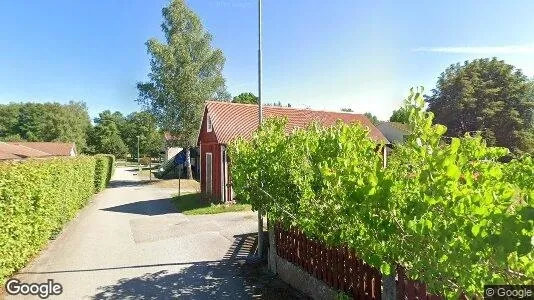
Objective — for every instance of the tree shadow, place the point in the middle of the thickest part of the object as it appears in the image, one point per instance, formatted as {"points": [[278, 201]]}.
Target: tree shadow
{"points": [[231, 278], [153, 207], [128, 183]]}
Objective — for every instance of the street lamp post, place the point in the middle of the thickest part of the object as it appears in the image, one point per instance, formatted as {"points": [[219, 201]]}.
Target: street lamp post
{"points": [[138, 159], [260, 120]]}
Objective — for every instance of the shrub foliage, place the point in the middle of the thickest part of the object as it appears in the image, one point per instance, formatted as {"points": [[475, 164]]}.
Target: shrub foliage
{"points": [[447, 210], [105, 165], [37, 197]]}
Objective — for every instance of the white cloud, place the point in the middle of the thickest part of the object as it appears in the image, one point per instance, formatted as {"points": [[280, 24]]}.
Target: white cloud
{"points": [[518, 49]]}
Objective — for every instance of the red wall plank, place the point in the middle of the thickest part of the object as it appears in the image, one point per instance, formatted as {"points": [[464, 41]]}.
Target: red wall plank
{"points": [[208, 144]]}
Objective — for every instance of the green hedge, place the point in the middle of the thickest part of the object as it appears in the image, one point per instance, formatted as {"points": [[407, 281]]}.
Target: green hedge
{"points": [[37, 197], [446, 209], [105, 166]]}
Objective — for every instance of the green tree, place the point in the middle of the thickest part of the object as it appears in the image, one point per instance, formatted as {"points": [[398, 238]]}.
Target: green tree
{"points": [[45, 122], [185, 72], [9, 122], [400, 115], [246, 98], [372, 118], [143, 124], [222, 94], [76, 125], [105, 137], [486, 96]]}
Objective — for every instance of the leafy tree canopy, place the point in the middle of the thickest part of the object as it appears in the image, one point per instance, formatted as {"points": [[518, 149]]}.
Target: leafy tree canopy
{"points": [[105, 137], [372, 118], [246, 98], [185, 71], [143, 124], [115, 117], [45, 122], [222, 94], [486, 96], [400, 115]]}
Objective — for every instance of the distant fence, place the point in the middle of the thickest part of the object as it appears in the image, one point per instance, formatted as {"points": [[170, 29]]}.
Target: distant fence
{"points": [[341, 269]]}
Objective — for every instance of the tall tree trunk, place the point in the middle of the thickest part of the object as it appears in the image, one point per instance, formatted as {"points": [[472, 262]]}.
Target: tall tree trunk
{"points": [[188, 162]]}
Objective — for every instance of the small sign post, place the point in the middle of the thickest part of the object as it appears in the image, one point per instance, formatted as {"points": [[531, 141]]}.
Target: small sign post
{"points": [[179, 161]]}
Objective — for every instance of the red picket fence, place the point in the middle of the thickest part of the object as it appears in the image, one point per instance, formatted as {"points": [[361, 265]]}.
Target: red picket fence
{"points": [[341, 269], [338, 267], [412, 289]]}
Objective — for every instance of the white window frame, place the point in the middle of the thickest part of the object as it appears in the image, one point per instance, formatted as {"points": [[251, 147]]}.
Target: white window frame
{"points": [[209, 183], [209, 126]]}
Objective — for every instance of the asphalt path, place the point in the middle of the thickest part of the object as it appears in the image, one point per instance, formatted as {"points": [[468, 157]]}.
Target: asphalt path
{"points": [[130, 243]]}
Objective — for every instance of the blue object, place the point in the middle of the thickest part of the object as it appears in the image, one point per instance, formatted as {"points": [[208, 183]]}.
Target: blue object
{"points": [[179, 158]]}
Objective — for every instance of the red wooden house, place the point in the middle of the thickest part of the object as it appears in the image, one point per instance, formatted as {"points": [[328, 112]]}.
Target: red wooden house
{"points": [[225, 121]]}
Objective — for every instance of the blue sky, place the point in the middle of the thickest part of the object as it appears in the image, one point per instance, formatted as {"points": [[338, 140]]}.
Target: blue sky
{"points": [[322, 54]]}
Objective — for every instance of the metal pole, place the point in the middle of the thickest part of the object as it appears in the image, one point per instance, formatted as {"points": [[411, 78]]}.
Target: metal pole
{"points": [[138, 159], [260, 120], [259, 63]]}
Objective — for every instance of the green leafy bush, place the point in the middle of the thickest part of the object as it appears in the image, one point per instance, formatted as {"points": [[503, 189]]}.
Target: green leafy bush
{"points": [[447, 210], [105, 166], [37, 197], [145, 160]]}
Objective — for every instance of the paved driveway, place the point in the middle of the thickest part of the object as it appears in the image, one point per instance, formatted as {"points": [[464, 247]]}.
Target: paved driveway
{"points": [[131, 244]]}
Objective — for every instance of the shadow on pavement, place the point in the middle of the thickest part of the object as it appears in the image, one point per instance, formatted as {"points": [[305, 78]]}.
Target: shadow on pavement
{"points": [[230, 278], [117, 268], [128, 183], [153, 207]]}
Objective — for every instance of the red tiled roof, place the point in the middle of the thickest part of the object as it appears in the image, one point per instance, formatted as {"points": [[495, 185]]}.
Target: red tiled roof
{"points": [[232, 120], [20, 151], [50, 148]]}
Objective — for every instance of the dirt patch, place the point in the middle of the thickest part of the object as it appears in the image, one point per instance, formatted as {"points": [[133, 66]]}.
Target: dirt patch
{"points": [[185, 184], [189, 185]]}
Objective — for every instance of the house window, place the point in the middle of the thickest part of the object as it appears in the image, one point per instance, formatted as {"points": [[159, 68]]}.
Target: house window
{"points": [[210, 127], [209, 173]]}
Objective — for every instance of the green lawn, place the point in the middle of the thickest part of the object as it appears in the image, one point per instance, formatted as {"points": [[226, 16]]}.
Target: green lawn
{"points": [[145, 172], [190, 204]]}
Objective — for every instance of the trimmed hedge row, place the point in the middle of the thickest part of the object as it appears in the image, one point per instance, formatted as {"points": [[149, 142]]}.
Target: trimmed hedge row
{"points": [[37, 197], [105, 166]]}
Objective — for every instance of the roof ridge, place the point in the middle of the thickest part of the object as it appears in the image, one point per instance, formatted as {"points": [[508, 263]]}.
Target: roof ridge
{"points": [[25, 148], [289, 108], [57, 143], [17, 144]]}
